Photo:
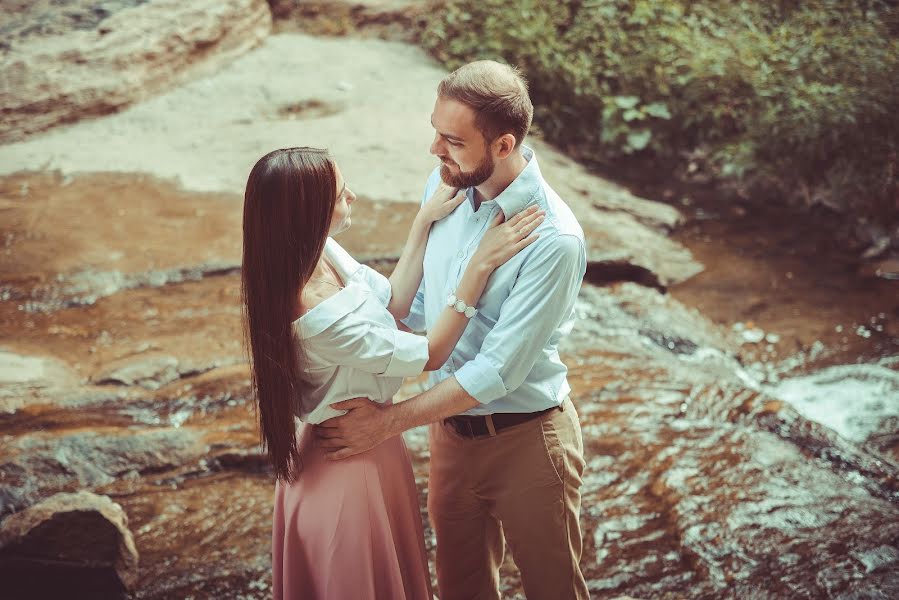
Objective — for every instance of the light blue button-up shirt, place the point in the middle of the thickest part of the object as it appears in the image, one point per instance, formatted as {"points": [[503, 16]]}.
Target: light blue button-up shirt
{"points": [[508, 357]]}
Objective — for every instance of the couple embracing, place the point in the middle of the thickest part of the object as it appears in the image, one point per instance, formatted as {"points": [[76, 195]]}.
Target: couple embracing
{"points": [[491, 271]]}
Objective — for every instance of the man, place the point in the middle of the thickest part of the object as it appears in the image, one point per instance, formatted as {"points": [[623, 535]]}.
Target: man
{"points": [[506, 447]]}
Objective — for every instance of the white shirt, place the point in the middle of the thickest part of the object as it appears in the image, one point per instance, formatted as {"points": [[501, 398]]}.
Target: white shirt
{"points": [[508, 357], [351, 343]]}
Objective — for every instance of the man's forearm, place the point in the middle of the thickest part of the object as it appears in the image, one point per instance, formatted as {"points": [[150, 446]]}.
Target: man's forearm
{"points": [[445, 399]]}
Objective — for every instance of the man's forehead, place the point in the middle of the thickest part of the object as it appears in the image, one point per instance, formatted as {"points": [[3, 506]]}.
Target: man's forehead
{"points": [[452, 117]]}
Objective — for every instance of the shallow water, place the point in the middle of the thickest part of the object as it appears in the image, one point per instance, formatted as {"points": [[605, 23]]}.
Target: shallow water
{"points": [[702, 479]]}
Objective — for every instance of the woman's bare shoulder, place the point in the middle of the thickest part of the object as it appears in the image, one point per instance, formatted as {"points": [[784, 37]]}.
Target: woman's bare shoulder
{"points": [[316, 293]]}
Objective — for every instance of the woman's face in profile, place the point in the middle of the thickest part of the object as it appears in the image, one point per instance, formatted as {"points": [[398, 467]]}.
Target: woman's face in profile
{"points": [[340, 219]]}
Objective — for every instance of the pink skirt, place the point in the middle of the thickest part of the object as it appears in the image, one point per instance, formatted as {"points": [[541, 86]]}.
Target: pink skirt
{"points": [[350, 529]]}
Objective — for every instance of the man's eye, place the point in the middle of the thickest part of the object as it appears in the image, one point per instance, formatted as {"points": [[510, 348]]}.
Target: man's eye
{"points": [[452, 143]]}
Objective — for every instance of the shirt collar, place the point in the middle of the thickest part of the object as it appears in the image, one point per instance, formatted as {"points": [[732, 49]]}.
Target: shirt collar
{"points": [[347, 266], [523, 188]]}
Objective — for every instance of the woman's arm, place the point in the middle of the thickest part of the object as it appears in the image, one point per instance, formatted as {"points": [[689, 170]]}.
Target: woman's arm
{"points": [[501, 242], [406, 276]]}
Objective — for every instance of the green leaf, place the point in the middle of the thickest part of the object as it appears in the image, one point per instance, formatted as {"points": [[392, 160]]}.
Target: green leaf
{"points": [[638, 140], [658, 109], [632, 114], [626, 101]]}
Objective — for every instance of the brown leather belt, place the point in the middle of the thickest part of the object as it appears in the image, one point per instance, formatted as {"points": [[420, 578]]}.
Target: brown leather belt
{"points": [[473, 427]]}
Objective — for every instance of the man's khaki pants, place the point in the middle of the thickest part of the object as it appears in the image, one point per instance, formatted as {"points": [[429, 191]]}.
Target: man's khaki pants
{"points": [[522, 484]]}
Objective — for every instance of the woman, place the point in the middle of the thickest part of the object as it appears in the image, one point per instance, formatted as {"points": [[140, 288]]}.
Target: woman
{"points": [[322, 329]]}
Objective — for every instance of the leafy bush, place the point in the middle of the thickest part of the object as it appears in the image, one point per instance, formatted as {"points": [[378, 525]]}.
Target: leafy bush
{"points": [[799, 96]]}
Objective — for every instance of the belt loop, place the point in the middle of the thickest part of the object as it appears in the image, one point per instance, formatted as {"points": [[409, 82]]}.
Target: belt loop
{"points": [[490, 427]]}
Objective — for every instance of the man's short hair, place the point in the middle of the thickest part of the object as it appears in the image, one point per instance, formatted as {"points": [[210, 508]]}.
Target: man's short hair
{"points": [[497, 93]]}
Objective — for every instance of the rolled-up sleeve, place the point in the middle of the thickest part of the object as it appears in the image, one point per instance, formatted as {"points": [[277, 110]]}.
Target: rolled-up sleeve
{"points": [[541, 298], [360, 343]]}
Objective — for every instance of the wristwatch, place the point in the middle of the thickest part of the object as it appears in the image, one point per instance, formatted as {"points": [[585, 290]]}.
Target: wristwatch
{"points": [[460, 307]]}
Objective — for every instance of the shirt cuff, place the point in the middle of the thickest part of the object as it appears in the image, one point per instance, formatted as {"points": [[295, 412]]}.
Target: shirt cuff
{"points": [[481, 380], [410, 354]]}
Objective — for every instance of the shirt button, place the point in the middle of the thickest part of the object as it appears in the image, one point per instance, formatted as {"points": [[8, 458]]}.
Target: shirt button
{"points": [[460, 254]]}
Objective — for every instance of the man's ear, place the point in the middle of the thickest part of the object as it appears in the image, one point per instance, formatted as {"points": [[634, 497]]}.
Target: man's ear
{"points": [[504, 145]]}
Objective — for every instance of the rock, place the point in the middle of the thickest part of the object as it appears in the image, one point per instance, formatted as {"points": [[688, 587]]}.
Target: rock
{"points": [[20, 369], [38, 464], [886, 268], [151, 370], [626, 235], [635, 318], [22, 377], [620, 247], [400, 20], [574, 181], [24, 19], [753, 335], [870, 232], [880, 245], [385, 159], [135, 53], [68, 546]]}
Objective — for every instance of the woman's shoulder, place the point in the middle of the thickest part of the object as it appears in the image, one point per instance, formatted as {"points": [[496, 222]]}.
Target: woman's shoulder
{"points": [[315, 293], [334, 311]]}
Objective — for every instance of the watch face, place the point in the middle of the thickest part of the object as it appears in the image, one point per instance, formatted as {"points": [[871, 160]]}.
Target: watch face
{"points": [[470, 311], [460, 306]]}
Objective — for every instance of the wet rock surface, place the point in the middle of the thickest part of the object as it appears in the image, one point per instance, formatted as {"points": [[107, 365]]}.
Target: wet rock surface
{"points": [[716, 468]]}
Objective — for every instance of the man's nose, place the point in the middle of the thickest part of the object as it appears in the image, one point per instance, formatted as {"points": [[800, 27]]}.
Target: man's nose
{"points": [[436, 146]]}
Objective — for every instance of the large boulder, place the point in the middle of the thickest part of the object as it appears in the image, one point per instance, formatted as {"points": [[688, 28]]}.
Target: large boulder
{"points": [[68, 546], [46, 80]]}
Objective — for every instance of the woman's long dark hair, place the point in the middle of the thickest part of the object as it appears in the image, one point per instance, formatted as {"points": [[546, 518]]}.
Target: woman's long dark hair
{"points": [[288, 203]]}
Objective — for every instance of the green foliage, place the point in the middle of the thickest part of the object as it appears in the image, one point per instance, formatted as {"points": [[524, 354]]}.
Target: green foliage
{"points": [[801, 95]]}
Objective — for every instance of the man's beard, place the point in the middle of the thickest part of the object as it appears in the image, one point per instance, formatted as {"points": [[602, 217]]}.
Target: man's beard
{"points": [[468, 179]]}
